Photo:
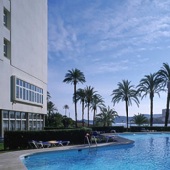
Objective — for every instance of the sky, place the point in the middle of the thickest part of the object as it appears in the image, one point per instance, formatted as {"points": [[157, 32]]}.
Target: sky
{"points": [[109, 41]]}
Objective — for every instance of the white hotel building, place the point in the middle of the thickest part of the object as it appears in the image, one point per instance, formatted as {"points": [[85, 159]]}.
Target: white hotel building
{"points": [[23, 64]]}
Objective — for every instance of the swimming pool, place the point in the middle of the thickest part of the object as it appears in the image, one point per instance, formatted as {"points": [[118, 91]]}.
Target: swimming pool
{"points": [[149, 152]]}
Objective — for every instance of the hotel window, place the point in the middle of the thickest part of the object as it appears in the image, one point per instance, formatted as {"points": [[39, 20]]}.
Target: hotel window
{"points": [[34, 116], [18, 115], [18, 125], [5, 125], [6, 48], [12, 125], [23, 125], [41, 125], [27, 92], [12, 115], [6, 19], [34, 125], [38, 125], [38, 116], [30, 125], [5, 114], [23, 115]]}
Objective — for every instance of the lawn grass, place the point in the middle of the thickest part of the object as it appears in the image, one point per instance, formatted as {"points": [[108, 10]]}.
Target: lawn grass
{"points": [[1, 146]]}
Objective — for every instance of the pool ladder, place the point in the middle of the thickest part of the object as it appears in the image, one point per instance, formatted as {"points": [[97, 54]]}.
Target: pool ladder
{"points": [[88, 141]]}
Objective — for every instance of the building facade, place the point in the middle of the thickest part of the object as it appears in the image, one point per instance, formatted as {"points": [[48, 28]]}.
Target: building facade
{"points": [[23, 64]]}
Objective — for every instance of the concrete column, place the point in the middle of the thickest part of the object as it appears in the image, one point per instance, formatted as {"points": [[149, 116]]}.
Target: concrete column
{"points": [[27, 121], [43, 121], [1, 124]]}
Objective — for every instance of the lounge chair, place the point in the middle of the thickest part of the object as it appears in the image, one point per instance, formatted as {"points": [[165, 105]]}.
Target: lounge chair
{"points": [[113, 131], [97, 137], [60, 143], [39, 144], [53, 142], [112, 138], [64, 142], [35, 144], [109, 137], [32, 144], [44, 144], [47, 144]]}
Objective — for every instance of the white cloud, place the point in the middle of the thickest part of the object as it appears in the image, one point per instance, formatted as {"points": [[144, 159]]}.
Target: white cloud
{"points": [[106, 29], [164, 5], [143, 60]]}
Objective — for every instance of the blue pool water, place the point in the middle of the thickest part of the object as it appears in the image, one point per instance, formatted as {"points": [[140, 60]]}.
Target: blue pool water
{"points": [[149, 152]]}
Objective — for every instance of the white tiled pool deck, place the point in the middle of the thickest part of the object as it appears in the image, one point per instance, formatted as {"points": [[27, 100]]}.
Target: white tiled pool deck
{"points": [[12, 160]]}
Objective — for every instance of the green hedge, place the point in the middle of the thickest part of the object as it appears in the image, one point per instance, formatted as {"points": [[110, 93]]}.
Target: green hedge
{"points": [[19, 139]]}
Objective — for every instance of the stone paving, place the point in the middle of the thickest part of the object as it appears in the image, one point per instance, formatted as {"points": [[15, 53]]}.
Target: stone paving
{"points": [[12, 160]]}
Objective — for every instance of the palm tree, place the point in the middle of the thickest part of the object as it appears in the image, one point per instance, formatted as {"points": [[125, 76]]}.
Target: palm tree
{"points": [[97, 102], [50, 112], [125, 92], [48, 96], [164, 74], [51, 108], [150, 85], [106, 117], [66, 107], [81, 97], [139, 119], [74, 76], [89, 91]]}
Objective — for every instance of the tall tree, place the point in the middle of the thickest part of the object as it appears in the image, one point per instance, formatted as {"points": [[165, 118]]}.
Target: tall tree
{"points": [[89, 91], [51, 108], [65, 107], [127, 93], [106, 116], [67, 121], [50, 113], [81, 97], [164, 74], [150, 85], [97, 102], [48, 96], [74, 76]]}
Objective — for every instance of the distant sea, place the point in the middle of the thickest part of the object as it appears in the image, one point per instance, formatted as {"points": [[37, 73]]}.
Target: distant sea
{"points": [[124, 124]]}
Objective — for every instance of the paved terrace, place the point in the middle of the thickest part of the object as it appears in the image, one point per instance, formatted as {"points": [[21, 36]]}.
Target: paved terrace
{"points": [[12, 161]]}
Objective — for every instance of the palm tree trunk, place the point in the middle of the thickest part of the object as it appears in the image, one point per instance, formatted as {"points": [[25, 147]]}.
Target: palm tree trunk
{"points": [[83, 113], [94, 116], [75, 105], [151, 118], [88, 112], [167, 110], [127, 117]]}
